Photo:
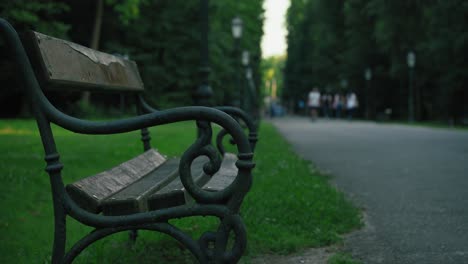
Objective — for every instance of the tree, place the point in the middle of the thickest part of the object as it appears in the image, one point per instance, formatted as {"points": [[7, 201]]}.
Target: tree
{"points": [[163, 37], [329, 40], [42, 16]]}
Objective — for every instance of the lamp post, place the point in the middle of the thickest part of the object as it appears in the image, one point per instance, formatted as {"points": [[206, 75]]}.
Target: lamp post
{"points": [[251, 90], [204, 93], [411, 61], [245, 62], [248, 74], [237, 26], [368, 77], [245, 58], [344, 84]]}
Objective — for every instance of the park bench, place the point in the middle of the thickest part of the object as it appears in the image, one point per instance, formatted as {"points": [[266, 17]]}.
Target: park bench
{"points": [[150, 189]]}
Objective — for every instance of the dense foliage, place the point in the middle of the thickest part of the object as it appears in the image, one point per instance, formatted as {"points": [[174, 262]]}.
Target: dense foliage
{"points": [[272, 69], [334, 40], [163, 37]]}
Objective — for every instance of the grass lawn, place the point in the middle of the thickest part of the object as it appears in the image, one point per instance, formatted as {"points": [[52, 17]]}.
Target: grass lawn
{"points": [[431, 124], [290, 207]]}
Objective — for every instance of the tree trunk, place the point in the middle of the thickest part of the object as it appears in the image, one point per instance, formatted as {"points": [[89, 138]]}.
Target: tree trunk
{"points": [[94, 44], [97, 25]]}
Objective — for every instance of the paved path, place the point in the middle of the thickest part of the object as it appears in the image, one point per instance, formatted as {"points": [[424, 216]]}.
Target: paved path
{"points": [[412, 183]]}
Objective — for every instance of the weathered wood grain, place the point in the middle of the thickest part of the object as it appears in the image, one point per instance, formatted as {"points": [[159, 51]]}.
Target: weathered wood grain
{"points": [[174, 194], [66, 65], [225, 176], [147, 182], [89, 192], [132, 199]]}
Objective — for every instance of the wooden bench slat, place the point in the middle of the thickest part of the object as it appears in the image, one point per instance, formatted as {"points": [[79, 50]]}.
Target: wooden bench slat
{"points": [[132, 199], [174, 194], [66, 65], [89, 192], [225, 176]]}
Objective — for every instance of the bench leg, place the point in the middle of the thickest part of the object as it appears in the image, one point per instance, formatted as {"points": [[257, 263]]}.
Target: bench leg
{"points": [[230, 224], [58, 251]]}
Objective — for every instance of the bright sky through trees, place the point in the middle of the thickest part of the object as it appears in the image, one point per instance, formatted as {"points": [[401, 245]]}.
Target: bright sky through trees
{"points": [[274, 39]]}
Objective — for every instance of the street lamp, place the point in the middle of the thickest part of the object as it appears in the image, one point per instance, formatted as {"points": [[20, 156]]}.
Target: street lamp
{"points": [[248, 73], [368, 74], [237, 26], [411, 61], [204, 93], [245, 58], [251, 91], [368, 77], [344, 84], [245, 62]]}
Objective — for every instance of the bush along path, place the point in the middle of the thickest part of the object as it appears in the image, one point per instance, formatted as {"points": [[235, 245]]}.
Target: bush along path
{"points": [[291, 206]]}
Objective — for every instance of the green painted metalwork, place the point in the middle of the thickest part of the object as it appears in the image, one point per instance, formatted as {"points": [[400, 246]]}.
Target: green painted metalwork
{"points": [[240, 114], [224, 204]]}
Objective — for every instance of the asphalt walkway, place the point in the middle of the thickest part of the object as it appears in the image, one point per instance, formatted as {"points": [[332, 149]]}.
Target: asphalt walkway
{"points": [[411, 181]]}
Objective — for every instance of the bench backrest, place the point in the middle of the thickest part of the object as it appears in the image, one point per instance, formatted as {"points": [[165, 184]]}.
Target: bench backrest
{"points": [[63, 64]]}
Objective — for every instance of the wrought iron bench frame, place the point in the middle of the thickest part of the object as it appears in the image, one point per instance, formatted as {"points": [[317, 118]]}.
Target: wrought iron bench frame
{"points": [[225, 204]]}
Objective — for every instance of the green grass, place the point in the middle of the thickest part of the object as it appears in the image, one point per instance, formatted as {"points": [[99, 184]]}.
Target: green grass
{"points": [[290, 206], [342, 258], [431, 124]]}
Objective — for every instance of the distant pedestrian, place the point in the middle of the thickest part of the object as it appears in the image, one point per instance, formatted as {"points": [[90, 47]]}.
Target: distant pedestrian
{"points": [[314, 103], [326, 102], [351, 104], [337, 105], [301, 106]]}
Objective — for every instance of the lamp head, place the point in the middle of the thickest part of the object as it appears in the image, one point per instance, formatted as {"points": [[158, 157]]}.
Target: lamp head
{"points": [[248, 73], [237, 25], [368, 74], [245, 58], [411, 59]]}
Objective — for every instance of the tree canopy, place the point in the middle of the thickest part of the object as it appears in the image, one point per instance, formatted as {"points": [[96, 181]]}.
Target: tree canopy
{"points": [[333, 40], [163, 37]]}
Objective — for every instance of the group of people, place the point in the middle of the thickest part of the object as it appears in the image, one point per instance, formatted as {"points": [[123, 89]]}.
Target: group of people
{"points": [[331, 105]]}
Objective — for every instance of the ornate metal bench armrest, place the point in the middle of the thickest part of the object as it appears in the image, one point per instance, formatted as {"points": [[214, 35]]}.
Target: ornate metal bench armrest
{"points": [[146, 107], [241, 114], [232, 111]]}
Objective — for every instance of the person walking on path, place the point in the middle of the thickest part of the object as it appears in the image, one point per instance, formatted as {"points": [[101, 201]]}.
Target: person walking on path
{"points": [[326, 101], [337, 105], [351, 104], [314, 103]]}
